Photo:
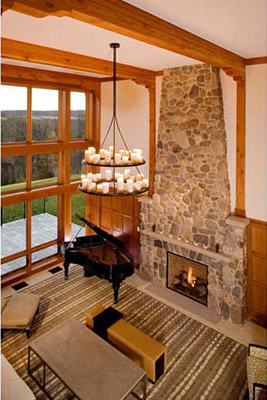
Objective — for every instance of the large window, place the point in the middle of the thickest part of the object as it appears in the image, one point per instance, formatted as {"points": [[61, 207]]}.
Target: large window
{"points": [[36, 211], [13, 113]]}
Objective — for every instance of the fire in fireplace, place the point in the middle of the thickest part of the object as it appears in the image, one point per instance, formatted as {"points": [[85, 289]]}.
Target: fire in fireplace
{"points": [[187, 277]]}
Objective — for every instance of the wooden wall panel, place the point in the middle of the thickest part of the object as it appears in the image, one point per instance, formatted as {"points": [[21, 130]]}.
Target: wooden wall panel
{"points": [[257, 272]]}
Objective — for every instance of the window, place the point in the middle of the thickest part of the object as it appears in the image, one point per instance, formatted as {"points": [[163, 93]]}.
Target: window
{"points": [[13, 229], [47, 252], [13, 114], [13, 173], [76, 167], [78, 206], [44, 220], [44, 114], [44, 168], [13, 265], [77, 115]]}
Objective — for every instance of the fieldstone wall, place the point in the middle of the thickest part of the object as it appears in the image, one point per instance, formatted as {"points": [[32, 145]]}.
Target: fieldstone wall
{"points": [[191, 204]]}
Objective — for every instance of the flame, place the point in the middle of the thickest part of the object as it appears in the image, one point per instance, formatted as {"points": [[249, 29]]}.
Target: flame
{"points": [[191, 279]]}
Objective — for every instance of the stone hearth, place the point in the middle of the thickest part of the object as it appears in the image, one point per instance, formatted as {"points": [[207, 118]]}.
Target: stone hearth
{"points": [[189, 212]]}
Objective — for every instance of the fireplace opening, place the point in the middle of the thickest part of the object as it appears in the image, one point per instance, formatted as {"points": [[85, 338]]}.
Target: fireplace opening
{"points": [[187, 277]]}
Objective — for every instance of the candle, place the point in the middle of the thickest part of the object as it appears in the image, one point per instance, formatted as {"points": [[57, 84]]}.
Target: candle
{"points": [[90, 176], [129, 185], [105, 187], [91, 186], [99, 188], [102, 153], [127, 173], [87, 155], [120, 184], [108, 174], [139, 177], [138, 186], [94, 177], [125, 159], [139, 157], [139, 151], [91, 159], [91, 150], [85, 183], [98, 177], [96, 158], [117, 158], [83, 176], [145, 183], [118, 176], [134, 157], [111, 149]]}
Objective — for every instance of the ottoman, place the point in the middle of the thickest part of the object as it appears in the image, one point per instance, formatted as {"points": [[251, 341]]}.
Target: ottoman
{"points": [[19, 312]]}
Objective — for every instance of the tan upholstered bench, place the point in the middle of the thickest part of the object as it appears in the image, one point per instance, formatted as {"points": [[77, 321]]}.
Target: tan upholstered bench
{"points": [[139, 347], [19, 312]]}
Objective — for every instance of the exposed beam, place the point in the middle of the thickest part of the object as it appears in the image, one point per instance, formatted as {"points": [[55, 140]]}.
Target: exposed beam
{"points": [[126, 19], [256, 60], [16, 50], [14, 74]]}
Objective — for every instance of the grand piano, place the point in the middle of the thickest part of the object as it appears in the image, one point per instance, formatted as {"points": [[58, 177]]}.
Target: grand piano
{"points": [[101, 255]]}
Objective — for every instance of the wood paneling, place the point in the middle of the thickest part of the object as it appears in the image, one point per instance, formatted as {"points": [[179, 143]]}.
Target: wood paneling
{"points": [[16, 50], [240, 147], [256, 61], [128, 20], [257, 272]]}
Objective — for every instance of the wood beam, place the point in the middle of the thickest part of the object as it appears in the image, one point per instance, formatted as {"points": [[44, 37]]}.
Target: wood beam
{"points": [[126, 19], [152, 136], [240, 146], [16, 50], [256, 61], [25, 76]]}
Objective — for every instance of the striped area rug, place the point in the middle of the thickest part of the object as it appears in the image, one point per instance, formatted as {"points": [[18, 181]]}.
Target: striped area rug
{"points": [[202, 364]]}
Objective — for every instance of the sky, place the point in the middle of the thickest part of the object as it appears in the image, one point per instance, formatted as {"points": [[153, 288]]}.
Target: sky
{"points": [[15, 98]]}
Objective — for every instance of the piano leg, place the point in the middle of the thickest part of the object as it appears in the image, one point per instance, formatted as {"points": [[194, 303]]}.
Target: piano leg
{"points": [[66, 270], [116, 287]]}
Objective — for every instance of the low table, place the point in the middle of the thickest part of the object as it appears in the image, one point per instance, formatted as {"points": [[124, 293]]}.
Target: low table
{"points": [[86, 364]]}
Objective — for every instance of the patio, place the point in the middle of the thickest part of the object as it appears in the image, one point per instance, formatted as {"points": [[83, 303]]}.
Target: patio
{"points": [[44, 229]]}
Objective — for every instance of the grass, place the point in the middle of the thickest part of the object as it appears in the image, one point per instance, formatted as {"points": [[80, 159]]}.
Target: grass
{"points": [[49, 204]]}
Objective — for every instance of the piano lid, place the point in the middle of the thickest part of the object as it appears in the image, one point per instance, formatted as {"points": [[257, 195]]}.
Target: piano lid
{"points": [[104, 235]]}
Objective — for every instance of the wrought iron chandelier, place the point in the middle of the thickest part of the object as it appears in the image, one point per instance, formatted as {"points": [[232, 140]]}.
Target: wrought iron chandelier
{"points": [[112, 183]]}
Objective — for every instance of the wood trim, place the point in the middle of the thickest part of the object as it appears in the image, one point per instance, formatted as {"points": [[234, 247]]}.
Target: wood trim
{"points": [[26, 76], [240, 147], [128, 20], [258, 222], [16, 50], [256, 61], [152, 136], [17, 149]]}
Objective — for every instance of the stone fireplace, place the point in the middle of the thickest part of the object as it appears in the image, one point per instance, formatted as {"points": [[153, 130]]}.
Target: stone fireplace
{"points": [[189, 214]]}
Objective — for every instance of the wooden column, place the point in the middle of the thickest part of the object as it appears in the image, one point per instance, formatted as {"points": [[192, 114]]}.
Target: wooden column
{"points": [[152, 135], [240, 146]]}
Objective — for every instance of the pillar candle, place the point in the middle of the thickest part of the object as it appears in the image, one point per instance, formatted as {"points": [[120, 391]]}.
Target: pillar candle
{"points": [[98, 177], [139, 157], [91, 186], [125, 160], [117, 158], [102, 153], [90, 176], [105, 187], [108, 157], [99, 188], [134, 157], [129, 185], [108, 174], [94, 177], [85, 183], [145, 183], [111, 149], [127, 173], [96, 158], [118, 176], [91, 150], [83, 176], [120, 184], [91, 159], [123, 152], [139, 151], [138, 186]]}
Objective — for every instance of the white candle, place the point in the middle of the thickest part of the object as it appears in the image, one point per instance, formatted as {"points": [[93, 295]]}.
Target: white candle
{"points": [[98, 177], [129, 185], [120, 184], [83, 176], [90, 176], [139, 151], [117, 158], [134, 156], [145, 183], [91, 186], [123, 152], [94, 177], [102, 153], [91, 159], [111, 149], [125, 160], [138, 186], [87, 155], [85, 183], [107, 155], [108, 174], [99, 188], [96, 158], [119, 176], [127, 173], [139, 157], [91, 150], [105, 187]]}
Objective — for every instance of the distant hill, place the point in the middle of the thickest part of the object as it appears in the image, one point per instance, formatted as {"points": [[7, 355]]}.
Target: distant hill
{"points": [[39, 114]]}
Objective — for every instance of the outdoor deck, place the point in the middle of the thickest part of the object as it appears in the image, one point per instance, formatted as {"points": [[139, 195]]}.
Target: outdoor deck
{"points": [[13, 239]]}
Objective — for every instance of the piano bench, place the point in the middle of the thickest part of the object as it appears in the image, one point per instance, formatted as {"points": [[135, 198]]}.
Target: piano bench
{"points": [[139, 347]]}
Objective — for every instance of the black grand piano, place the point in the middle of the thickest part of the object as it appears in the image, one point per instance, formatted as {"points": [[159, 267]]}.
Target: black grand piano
{"points": [[101, 255]]}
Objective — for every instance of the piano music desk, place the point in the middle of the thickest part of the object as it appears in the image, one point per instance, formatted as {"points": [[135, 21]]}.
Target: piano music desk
{"points": [[139, 347]]}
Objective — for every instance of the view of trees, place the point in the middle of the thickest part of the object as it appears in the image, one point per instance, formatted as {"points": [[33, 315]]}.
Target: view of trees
{"points": [[44, 127]]}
